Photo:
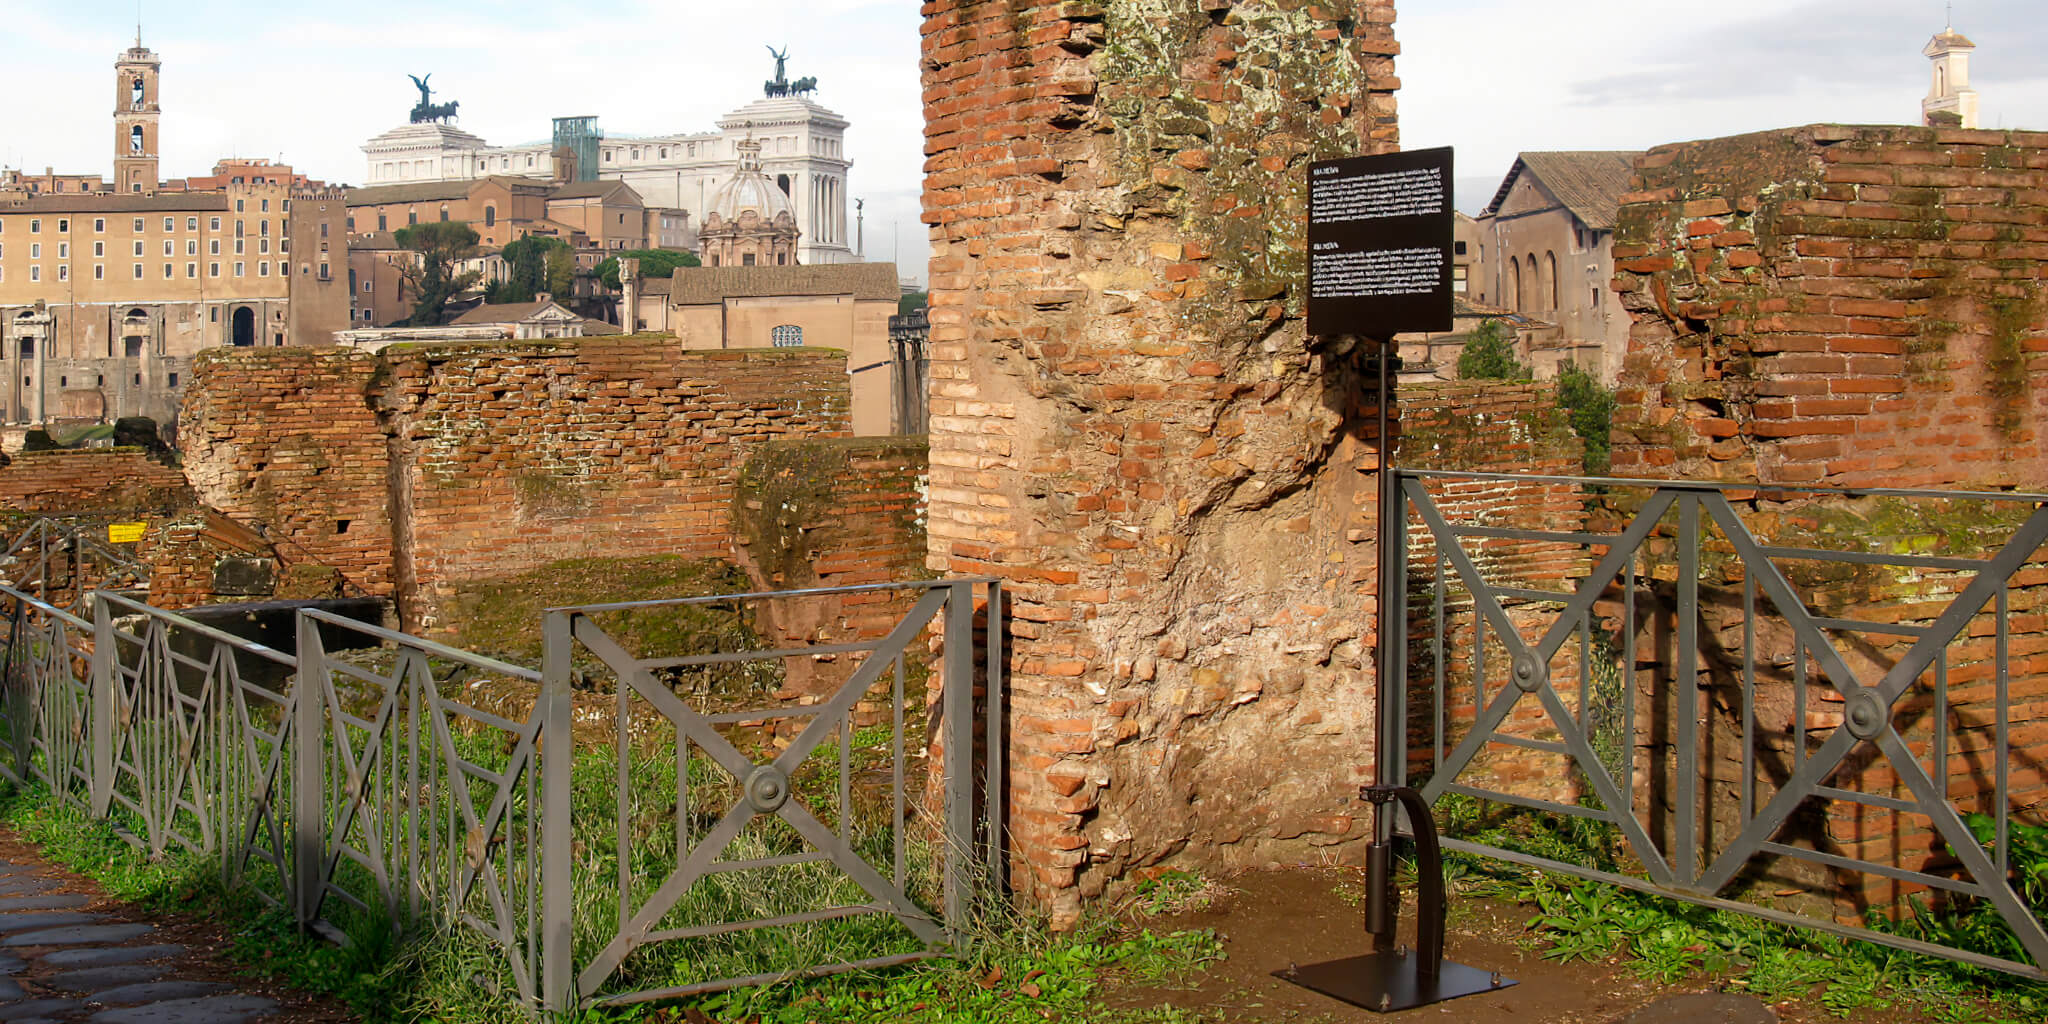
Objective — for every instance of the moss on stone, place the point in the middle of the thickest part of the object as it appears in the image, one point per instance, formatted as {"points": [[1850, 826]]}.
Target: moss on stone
{"points": [[788, 488], [502, 616]]}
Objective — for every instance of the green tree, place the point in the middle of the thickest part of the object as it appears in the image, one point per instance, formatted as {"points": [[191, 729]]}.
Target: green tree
{"points": [[440, 245], [527, 266], [653, 263], [561, 266], [1590, 405], [1490, 355], [912, 302]]}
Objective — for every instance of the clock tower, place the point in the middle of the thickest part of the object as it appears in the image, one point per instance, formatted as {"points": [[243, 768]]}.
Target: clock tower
{"points": [[135, 120]]}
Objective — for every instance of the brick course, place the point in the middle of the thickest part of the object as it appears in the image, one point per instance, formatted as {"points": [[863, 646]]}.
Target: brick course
{"points": [[1130, 425], [92, 480]]}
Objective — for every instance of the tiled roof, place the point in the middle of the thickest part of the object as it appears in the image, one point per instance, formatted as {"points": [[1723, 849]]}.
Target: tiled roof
{"points": [[101, 203], [704, 286], [502, 312], [1588, 183], [592, 190], [431, 191]]}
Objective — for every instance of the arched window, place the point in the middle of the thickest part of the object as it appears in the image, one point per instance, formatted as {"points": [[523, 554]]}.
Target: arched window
{"points": [[1940, 80], [1535, 293], [490, 216], [787, 336], [782, 181], [1515, 281], [1550, 275], [135, 139]]}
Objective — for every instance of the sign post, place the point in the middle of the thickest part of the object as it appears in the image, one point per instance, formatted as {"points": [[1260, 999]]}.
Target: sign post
{"points": [[1380, 246]]}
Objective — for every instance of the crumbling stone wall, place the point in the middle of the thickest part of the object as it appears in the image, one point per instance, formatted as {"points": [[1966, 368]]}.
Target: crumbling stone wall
{"points": [[91, 480], [420, 467], [285, 439], [1852, 307], [1131, 426], [506, 458]]}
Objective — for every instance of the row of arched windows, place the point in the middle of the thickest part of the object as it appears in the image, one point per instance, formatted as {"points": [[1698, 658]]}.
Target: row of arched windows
{"points": [[1540, 284]]}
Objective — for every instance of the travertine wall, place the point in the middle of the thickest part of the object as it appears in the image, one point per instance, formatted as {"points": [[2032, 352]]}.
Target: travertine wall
{"points": [[1131, 426]]}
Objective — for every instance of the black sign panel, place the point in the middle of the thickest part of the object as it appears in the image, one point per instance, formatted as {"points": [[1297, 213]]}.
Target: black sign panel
{"points": [[1379, 244]]}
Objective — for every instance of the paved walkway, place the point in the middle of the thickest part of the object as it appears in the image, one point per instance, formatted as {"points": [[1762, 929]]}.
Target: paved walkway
{"points": [[66, 955]]}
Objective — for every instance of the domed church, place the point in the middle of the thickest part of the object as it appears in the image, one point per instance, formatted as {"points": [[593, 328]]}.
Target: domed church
{"points": [[750, 220]]}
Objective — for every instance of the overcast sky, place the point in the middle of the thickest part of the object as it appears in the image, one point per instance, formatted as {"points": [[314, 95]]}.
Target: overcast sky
{"points": [[1492, 77]]}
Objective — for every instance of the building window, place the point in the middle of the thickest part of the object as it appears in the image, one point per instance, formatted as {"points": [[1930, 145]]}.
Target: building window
{"points": [[412, 218], [241, 246], [170, 223], [99, 224], [169, 247], [63, 225], [380, 222], [99, 272], [238, 206], [787, 336], [1550, 271], [171, 379], [746, 259], [265, 207], [35, 250], [213, 247], [35, 227], [167, 272], [323, 229], [35, 273], [191, 246], [192, 270], [1596, 298], [263, 245], [191, 223], [63, 250], [444, 215], [263, 268], [490, 216], [138, 225], [213, 270], [138, 271], [239, 265], [64, 272], [99, 248], [213, 224], [138, 247]]}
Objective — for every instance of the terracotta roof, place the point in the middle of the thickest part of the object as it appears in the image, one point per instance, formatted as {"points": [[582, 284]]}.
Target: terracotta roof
{"points": [[1588, 183], [1950, 39], [656, 285], [430, 191], [502, 312], [375, 240], [704, 286], [181, 201], [592, 190]]}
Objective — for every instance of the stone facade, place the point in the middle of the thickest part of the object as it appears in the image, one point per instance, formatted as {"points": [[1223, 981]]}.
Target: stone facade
{"points": [[1130, 425]]}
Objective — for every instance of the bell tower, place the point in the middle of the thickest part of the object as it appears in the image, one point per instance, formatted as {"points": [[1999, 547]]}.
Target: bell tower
{"points": [[1951, 103], [135, 119]]}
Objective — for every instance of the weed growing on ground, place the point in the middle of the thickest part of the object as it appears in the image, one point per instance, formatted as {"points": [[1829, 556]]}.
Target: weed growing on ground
{"points": [[1670, 941], [1015, 970]]}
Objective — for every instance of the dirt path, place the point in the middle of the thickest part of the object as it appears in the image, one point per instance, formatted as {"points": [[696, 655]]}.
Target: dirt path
{"points": [[1268, 920], [70, 953]]}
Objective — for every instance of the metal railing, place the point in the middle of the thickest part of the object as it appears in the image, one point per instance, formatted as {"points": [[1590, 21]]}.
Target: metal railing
{"points": [[68, 555], [357, 787], [1792, 696]]}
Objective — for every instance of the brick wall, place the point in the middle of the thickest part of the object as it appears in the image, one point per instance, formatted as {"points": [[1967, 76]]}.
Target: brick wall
{"points": [[832, 513], [1848, 307], [423, 466], [508, 458], [286, 438], [91, 480], [1838, 305], [1130, 425]]}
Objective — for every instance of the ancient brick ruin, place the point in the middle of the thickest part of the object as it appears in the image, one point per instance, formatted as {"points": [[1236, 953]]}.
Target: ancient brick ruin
{"points": [[1852, 307], [1130, 425]]}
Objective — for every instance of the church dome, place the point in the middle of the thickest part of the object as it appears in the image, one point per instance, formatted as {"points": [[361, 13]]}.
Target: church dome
{"points": [[750, 190]]}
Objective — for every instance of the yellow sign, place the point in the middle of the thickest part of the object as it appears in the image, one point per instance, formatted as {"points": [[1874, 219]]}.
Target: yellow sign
{"points": [[126, 533]]}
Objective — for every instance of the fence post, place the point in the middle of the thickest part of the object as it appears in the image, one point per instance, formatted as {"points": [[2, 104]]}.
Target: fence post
{"points": [[958, 709], [309, 825], [103, 687], [557, 852]]}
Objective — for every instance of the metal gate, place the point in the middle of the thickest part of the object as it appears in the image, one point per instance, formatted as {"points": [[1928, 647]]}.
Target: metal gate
{"points": [[755, 781], [1791, 696]]}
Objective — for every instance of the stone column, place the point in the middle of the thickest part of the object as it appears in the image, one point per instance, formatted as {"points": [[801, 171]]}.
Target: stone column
{"points": [[1130, 425]]}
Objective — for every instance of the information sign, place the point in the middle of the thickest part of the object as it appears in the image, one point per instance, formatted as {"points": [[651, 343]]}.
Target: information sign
{"points": [[1379, 241], [126, 533]]}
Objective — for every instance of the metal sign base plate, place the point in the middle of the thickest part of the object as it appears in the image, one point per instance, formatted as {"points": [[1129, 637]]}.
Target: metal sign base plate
{"points": [[1387, 982]]}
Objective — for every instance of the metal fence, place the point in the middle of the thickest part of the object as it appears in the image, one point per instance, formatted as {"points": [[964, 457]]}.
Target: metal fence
{"points": [[355, 783], [1796, 704], [65, 558]]}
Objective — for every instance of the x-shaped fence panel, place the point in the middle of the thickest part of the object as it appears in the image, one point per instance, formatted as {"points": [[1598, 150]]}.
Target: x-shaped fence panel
{"points": [[1683, 564]]}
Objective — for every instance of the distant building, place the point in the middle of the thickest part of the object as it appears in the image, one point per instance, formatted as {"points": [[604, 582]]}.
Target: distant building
{"points": [[108, 287], [802, 149], [1951, 103], [750, 222], [1546, 254], [505, 321], [605, 215], [843, 306]]}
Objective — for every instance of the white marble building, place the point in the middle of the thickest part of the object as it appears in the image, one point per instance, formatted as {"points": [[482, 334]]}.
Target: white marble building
{"points": [[803, 149]]}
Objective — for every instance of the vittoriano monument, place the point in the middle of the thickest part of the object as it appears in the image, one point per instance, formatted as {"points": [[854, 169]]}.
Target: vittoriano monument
{"points": [[427, 110], [780, 85]]}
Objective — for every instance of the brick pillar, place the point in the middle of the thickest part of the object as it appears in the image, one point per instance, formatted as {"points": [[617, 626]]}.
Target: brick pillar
{"points": [[1130, 425]]}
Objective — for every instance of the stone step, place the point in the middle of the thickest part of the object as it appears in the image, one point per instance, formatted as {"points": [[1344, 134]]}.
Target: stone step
{"points": [[34, 919], [52, 901], [109, 957], [157, 992], [79, 935], [92, 979], [228, 1009]]}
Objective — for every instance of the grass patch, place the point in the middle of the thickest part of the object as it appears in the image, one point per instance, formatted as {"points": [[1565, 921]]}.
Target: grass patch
{"points": [[1672, 941]]}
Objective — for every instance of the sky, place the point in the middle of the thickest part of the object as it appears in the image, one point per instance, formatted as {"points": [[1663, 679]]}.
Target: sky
{"points": [[1491, 77]]}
